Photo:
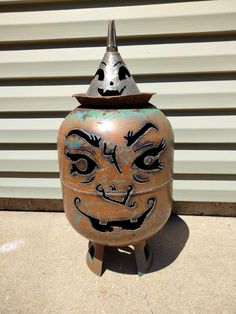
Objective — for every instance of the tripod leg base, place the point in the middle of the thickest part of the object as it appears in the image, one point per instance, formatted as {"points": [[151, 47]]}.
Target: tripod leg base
{"points": [[143, 257], [95, 258]]}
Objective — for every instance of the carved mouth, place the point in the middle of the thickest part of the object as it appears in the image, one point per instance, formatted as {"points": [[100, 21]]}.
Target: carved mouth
{"points": [[117, 225], [110, 92]]}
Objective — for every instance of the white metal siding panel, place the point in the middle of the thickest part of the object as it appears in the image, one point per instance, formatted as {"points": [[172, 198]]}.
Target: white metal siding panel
{"points": [[184, 190], [205, 191], [30, 188], [171, 95], [141, 20], [165, 46], [145, 59], [186, 161], [212, 129]]}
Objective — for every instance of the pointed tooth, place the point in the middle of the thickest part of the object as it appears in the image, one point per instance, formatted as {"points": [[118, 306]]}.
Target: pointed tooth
{"points": [[103, 223], [133, 219]]}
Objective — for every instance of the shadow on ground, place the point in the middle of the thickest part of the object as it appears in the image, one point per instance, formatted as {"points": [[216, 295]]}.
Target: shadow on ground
{"points": [[166, 245]]}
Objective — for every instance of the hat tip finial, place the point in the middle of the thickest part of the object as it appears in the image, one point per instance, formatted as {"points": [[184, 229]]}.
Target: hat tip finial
{"points": [[111, 37]]}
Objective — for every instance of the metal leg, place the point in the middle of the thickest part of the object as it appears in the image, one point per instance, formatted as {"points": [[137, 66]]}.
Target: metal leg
{"points": [[143, 257], [95, 253], [95, 258]]}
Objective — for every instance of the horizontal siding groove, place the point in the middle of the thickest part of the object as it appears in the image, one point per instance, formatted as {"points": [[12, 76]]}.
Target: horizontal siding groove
{"points": [[122, 41], [29, 5], [190, 190], [28, 146], [34, 115], [132, 20], [150, 59], [32, 204], [195, 208], [25, 175], [179, 207], [204, 176], [142, 78], [205, 146], [168, 113], [178, 146], [198, 112]]}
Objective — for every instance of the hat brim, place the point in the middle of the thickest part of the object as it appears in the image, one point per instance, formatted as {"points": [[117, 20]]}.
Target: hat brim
{"points": [[134, 99]]}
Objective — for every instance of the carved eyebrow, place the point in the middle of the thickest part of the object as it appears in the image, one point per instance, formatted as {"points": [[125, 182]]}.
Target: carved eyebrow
{"points": [[118, 63], [103, 63], [90, 138], [133, 137]]}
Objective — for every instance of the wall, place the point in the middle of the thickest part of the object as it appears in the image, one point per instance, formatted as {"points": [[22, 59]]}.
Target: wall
{"points": [[183, 50]]}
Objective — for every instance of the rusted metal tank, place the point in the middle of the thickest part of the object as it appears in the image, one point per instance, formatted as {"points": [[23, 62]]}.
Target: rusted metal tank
{"points": [[116, 160]]}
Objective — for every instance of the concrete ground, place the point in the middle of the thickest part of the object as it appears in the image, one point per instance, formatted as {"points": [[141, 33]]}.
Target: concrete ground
{"points": [[43, 269]]}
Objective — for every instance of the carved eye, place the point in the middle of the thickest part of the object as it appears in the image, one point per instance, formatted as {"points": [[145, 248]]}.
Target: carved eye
{"points": [[123, 73], [100, 74], [149, 160], [82, 164]]}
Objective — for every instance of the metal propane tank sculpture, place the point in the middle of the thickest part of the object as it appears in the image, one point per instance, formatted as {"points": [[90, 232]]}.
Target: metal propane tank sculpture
{"points": [[116, 159]]}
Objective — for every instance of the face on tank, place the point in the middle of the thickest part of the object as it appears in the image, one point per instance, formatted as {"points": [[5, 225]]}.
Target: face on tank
{"points": [[112, 78], [114, 165]]}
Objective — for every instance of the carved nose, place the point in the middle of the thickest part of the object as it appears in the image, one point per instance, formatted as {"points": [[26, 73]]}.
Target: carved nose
{"points": [[112, 187], [105, 188], [111, 83], [122, 199]]}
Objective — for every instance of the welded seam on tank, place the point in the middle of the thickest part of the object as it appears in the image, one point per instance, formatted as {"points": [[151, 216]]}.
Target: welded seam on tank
{"points": [[118, 194]]}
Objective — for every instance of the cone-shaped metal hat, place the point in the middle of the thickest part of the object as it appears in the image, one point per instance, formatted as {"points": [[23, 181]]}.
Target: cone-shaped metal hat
{"points": [[112, 77], [112, 83]]}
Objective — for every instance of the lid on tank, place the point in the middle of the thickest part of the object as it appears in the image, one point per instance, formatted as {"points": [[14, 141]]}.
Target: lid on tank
{"points": [[113, 82]]}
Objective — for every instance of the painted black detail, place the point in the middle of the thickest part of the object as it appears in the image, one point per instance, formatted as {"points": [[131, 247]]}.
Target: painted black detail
{"points": [[144, 146], [139, 179], [149, 160], [131, 204], [126, 224], [113, 187], [118, 63], [132, 137], [110, 92], [90, 138], [123, 73], [100, 74], [88, 168], [101, 190], [88, 181], [111, 156]]}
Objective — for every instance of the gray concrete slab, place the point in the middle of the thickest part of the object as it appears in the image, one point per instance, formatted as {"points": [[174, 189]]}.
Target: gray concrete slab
{"points": [[43, 269]]}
